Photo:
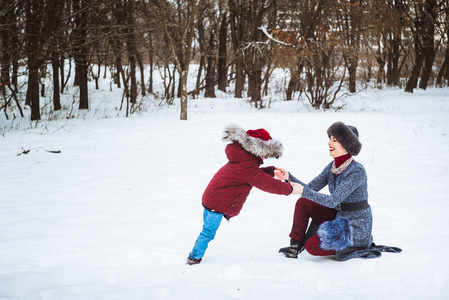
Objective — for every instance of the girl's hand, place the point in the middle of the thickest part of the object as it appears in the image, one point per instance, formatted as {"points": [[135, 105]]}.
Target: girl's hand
{"points": [[281, 174]]}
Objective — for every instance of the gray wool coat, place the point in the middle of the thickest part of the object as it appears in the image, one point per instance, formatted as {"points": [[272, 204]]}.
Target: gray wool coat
{"points": [[348, 187]]}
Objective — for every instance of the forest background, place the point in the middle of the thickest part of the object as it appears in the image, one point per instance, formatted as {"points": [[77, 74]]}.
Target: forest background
{"points": [[328, 48]]}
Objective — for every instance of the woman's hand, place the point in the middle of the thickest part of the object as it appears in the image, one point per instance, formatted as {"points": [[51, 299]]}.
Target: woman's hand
{"points": [[281, 173], [297, 188]]}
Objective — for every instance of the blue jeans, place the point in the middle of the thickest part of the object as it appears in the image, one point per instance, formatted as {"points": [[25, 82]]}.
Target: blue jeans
{"points": [[211, 223]]}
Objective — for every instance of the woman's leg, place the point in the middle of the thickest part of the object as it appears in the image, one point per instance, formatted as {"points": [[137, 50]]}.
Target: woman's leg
{"points": [[313, 247], [211, 223], [304, 210]]}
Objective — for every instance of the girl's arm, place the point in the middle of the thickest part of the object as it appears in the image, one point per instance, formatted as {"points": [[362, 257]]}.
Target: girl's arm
{"points": [[268, 183]]}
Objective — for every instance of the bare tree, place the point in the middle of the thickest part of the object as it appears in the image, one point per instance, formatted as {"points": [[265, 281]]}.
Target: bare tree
{"points": [[422, 26], [207, 39], [179, 40], [39, 25], [443, 73], [255, 45], [300, 23], [222, 66], [81, 49], [349, 15], [237, 25], [395, 30], [429, 43], [10, 50]]}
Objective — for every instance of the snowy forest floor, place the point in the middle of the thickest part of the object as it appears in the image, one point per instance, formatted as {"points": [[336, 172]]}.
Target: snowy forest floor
{"points": [[116, 212]]}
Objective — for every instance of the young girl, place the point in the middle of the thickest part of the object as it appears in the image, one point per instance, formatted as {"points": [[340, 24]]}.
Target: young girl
{"points": [[345, 215], [231, 185]]}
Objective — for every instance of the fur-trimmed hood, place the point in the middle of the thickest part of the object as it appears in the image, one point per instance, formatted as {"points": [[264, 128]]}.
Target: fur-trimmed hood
{"points": [[253, 145]]}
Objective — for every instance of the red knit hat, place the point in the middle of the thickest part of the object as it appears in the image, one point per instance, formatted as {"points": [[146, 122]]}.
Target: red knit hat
{"points": [[259, 133]]}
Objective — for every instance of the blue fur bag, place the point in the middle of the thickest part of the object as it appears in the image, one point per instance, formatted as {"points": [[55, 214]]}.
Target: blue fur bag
{"points": [[335, 235]]}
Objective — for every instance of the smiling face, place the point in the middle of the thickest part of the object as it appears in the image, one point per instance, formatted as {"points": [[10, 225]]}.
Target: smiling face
{"points": [[335, 148]]}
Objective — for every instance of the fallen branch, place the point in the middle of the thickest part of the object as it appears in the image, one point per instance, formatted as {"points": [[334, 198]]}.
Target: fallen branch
{"points": [[26, 151]]}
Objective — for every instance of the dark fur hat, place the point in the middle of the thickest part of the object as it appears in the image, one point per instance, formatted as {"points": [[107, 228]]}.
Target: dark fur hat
{"points": [[262, 146], [347, 135]]}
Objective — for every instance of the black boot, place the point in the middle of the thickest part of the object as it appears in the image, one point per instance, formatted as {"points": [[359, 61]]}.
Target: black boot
{"points": [[296, 247], [311, 231]]}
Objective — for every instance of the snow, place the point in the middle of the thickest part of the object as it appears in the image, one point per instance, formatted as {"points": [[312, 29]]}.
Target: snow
{"points": [[116, 212]]}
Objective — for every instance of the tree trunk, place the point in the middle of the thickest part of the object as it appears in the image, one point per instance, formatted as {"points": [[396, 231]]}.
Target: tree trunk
{"points": [[182, 65], [222, 54], [151, 57], [255, 87], [413, 79], [203, 53], [119, 67], [210, 78], [235, 20], [133, 90], [42, 75], [6, 55], [352, 70], [443, 70], [142, 73], [239, 77], [15, 74], [428, 38], [393, 63], [196, 92], [81, 51], [180, 83], [33, 88], [429, 55], [381, 71], [84, 101], [184, 96], [62, 72], [56, 96], [210, 72], [34, 48], [182, 57], [132, 49], [295, 82]]}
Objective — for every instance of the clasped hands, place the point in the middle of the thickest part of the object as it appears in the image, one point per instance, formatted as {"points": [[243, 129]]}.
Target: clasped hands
{"points": [[284, 175]]}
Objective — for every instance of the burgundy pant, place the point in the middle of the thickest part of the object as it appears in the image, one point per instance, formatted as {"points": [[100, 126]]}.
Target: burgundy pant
{"points": [[304, 211]]}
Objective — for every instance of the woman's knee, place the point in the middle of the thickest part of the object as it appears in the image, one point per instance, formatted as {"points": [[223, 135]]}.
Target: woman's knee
{"points": [[303, 203], [313, 246]]}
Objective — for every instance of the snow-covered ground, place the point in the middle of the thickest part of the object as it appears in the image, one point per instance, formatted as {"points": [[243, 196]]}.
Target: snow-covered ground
{"points": [[116, 212]]}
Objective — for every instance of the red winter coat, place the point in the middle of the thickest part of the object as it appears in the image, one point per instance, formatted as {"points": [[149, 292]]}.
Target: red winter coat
{"points": [[230, 186]]}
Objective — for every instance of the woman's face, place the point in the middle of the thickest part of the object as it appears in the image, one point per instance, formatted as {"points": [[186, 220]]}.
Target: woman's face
{"points": [[335, 148]]}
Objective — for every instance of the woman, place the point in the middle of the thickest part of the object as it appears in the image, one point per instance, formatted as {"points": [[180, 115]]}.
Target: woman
{"points": [[344, 217]]}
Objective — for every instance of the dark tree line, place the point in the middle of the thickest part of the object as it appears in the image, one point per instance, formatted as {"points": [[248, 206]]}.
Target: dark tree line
{"points": [[326, 45]]}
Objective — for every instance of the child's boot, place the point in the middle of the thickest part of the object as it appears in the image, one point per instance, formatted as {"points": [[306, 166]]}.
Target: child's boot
{"points": [[193, 261]]}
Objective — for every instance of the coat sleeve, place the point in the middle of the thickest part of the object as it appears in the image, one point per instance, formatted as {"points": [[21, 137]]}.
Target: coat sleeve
{"points": [[353, 181], [269, 170], [317, 184], [268, 183]]}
